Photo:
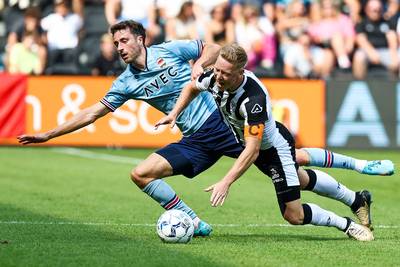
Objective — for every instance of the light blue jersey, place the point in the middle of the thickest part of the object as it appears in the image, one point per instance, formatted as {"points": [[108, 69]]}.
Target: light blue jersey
{"points": [[160, 84]]}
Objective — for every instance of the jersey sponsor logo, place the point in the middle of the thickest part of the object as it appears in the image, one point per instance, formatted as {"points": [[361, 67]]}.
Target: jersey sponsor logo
{"points": [[254, 131], [161, 80], [256, 109]]}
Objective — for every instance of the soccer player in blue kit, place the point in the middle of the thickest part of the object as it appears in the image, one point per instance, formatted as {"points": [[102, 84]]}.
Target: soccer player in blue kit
{"points": [[157, 75], [246, 107]]}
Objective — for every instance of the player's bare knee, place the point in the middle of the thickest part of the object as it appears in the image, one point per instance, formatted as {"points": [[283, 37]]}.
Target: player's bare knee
{"points": [[302, 157], [304, 179], [139, 178], [294, 218], [135, 177]]}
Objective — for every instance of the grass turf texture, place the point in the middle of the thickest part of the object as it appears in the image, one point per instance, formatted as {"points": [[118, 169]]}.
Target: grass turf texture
{"points": [[64, 210]]}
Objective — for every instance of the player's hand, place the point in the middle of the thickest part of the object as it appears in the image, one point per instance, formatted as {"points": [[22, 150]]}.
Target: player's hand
{"points": [[166, 120], [197, 70], [29, 139], [219, 193]]}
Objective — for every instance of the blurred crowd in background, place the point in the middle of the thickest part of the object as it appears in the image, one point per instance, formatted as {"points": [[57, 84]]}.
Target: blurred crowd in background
{"points": [[283, 38]]}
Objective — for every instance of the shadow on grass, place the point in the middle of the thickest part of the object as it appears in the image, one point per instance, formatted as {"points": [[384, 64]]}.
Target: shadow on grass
{"points": [[279, 237], [37, 240]]}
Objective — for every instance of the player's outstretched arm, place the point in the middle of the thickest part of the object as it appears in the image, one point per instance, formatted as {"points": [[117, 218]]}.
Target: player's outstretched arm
{"points": [[187, 95], [79, 120], [220, 190]]}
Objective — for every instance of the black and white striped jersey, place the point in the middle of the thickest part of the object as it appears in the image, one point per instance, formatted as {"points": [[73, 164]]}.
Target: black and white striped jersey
{"points": [[248, 106]]}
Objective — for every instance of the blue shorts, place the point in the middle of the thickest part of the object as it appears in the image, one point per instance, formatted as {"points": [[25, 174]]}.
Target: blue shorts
{"points": [[196, 153]]}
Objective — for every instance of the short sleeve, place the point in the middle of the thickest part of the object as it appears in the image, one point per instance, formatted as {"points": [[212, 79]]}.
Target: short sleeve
{"points": [[115, 97], [392, 24], [46, 22], [254, 110], [76, 21], [186, 49], [360, 27]]}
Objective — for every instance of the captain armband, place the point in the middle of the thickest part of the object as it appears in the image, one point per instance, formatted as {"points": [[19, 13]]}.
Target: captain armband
{"points": [[254, 130]]}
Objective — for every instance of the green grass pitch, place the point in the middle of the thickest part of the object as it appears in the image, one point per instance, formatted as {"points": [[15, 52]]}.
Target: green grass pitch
{"points": [[58, 208]]}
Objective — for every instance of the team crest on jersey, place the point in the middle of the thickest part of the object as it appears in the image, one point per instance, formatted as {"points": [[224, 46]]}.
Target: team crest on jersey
{"points": [[256, 109], [161, 62]]}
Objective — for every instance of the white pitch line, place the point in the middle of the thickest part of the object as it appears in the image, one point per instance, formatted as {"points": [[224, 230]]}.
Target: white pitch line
{"points": [[153, 225], [98, 156], [78, 223]]}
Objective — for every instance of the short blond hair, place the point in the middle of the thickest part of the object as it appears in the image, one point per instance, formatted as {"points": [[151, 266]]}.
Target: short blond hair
{"points": [[234, 54]]}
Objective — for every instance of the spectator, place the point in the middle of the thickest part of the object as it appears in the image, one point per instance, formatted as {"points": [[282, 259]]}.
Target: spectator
{"points": [[140, 11], [292, 23], [62, 27], [265, 8], [390, 8], [396, 21], [12, 12], [169, 9], [334, 32], [107, 63], [310, 8], [350, 8], [377, 41], [301, 60], [257, 36], [30, 23], [220, 29], [143, 11], [29, 56], [206, 6], [62, 34], [183, 26]]}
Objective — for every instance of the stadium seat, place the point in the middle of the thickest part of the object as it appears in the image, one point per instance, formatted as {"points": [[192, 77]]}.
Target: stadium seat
{"points": [[3, 36], [379, 71], [95, 22], [95, 25], [11, 17], [3, 42], [89, 48], [63, 62]]}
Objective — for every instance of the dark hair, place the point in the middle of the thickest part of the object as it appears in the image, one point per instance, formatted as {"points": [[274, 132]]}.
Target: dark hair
{"points": [[32, 12], [135, 28], [225, 11], [183, 9]]}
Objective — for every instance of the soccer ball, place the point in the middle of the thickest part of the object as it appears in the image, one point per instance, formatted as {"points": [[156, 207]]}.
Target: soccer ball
{"points": [[175, 226]]}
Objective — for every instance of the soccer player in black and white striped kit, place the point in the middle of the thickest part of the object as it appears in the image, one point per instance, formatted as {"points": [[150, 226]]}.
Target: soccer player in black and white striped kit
{"points": [[246, 107]]}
